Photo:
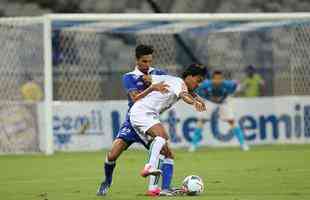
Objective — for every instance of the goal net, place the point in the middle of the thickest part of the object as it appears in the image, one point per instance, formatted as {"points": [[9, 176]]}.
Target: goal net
{"points": [[21, 84], [92, 55], [89, 54]]}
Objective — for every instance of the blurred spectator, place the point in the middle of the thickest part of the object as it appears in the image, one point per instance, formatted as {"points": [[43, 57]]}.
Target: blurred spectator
{"points": [[252, 85], [31, 91]]}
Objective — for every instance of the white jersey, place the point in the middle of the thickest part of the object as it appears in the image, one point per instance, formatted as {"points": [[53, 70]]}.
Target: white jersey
{"points": [[159, 102], [145, 112]]}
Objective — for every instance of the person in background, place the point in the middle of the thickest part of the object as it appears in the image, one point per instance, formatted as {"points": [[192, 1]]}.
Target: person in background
{"points": [[253, 84], [197, 135], [31, 91], [217, 92]]}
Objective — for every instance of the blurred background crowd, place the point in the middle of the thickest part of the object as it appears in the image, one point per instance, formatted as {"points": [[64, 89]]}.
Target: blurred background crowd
{"points": [[38, 7]]}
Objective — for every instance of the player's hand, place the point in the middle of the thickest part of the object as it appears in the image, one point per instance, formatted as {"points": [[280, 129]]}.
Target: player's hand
{"points": [[200, 106], [147, 79], [160, 87]]}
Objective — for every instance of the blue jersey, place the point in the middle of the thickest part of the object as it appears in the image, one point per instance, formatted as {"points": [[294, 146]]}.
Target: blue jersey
{"points": [[132, 81], [208, 91]]}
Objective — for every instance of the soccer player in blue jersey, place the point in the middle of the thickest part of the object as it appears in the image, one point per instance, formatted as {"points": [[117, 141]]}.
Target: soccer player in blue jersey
{"points": [[136, 88], [217, 91]]}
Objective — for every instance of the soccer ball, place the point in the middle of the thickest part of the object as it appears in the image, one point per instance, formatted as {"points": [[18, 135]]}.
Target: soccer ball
{"points": [[192, 185]]}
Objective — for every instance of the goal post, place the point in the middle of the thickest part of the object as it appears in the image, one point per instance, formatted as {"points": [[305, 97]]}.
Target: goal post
{"points": [[58, 72], [48, 88]]}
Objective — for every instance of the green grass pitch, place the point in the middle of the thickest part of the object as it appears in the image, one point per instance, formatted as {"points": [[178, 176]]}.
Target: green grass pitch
{"points": [[268, 173]]}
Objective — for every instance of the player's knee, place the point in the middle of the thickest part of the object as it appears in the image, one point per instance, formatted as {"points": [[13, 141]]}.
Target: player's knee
{"points": [[164, 152], [157, 131], [164, 136], [111, 157], [170, 155], [167, 153], [118, 147]]}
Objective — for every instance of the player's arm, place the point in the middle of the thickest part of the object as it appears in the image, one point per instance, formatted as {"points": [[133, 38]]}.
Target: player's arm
{"points": [[198, 98], [189, 99], [135, 95]]}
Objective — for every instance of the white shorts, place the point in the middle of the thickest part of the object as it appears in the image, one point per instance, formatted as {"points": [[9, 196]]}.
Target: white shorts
{"points": [[142, 119], [225, 110]]}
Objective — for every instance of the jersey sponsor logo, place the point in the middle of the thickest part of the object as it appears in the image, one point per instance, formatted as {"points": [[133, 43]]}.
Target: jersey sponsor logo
{"points": [[136, 77], [140, 83], [125, 130]]}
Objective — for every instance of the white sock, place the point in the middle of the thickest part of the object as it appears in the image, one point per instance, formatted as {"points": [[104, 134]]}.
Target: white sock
{"points": [[153, 180], [155, 149]]}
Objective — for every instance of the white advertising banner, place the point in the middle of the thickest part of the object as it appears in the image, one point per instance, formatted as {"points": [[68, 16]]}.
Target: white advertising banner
{"points": [[93, 125]]}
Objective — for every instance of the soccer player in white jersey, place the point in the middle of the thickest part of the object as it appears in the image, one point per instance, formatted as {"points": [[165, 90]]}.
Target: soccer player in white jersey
{"points": [[144, 114]]}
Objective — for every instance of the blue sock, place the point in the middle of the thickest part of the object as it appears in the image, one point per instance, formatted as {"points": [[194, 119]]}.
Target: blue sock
{"points": [[197, 137], [167, 169], [108, 170], [239, 134]]}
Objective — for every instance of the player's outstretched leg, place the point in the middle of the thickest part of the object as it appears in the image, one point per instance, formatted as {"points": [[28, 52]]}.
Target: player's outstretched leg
{"points": [[150, 168], [195, 139], [158, 133], [238, 132], [118, 147], [166, 164], [154, 189], [240, 136], [197, 135]]}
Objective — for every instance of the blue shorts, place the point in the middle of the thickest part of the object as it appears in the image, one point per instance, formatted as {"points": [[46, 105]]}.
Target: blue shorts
{"points": [[129, 135]]}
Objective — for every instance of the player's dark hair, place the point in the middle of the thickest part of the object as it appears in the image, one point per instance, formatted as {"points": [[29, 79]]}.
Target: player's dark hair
{"points": [[194, 70], [217, 72], [142, 50], [250, 68]]}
